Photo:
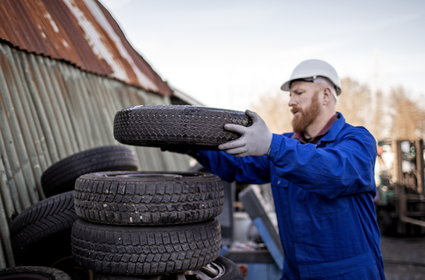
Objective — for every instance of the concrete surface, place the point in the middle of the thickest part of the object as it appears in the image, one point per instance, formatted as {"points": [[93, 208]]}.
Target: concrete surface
{"points": [[404, 258]]}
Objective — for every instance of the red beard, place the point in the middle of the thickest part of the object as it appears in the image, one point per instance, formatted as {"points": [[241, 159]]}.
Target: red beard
{"points": [[304, 118]]}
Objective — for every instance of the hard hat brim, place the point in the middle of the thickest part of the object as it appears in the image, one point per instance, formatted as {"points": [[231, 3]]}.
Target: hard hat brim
{"points": [[286, 86]]}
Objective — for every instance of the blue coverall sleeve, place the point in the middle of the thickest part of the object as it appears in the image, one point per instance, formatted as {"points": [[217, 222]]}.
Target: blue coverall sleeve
{"points": [[347, 167], [253, 170]]}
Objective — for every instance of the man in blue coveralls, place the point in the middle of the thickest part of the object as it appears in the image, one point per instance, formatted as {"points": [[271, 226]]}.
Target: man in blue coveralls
{"points": [[322, 178]]}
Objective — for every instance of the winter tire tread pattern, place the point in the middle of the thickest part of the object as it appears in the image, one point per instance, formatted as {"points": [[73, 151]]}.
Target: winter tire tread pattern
{"points": [[128, 198], [129, 250], [176, 125], [42, 220]]}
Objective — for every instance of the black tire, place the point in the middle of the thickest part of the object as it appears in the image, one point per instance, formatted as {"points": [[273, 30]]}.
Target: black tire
{"points": [[129, 250], [176, 125], [33, 273], [220, 269], [148, 198], [44, 227], [60, 176]]}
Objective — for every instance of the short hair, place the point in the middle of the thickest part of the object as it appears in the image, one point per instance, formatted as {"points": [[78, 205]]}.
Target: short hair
{"points": [[325, 81]]}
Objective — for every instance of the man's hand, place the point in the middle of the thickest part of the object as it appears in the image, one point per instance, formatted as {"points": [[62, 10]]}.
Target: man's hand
{"points": [[255, 140]]}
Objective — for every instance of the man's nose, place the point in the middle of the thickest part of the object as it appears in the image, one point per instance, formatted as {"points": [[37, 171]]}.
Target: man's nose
{"points": [[291, 101]]}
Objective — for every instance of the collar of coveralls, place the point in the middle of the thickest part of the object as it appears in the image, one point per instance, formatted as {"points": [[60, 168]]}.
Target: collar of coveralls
{"points": [[300, 135]]}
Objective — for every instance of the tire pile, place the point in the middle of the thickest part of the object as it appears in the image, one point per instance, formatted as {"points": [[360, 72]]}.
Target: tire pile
{"points": [[104, 218], [41, 234], [135, 223]]}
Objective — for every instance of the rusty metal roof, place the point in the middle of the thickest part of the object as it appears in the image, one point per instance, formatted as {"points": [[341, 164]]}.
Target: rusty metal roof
{"points": [[81, 32]]}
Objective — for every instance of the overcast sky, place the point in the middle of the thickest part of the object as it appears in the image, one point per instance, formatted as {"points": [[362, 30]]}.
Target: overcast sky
{"points": [[227, 53]]}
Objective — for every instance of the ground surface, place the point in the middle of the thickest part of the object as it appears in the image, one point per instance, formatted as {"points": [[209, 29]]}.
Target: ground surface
{"points": [[404, 258]]}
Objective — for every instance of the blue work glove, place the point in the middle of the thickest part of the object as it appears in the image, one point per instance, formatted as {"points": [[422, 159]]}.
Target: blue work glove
{"points": [[255, 140]]}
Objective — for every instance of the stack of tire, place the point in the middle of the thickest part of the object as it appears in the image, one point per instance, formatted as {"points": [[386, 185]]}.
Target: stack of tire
{"points": [[156, 225], [41, 234], [136, 223]]}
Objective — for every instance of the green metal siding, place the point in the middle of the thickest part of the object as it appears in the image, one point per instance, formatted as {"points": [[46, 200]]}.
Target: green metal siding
{"points": [[49, 110]]}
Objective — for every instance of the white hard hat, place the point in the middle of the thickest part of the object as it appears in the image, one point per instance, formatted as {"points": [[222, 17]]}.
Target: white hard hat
{"points": [[311, 69]]}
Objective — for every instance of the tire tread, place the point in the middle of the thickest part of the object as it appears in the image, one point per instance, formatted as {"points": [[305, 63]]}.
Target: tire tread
{"points": [[176, 125], [141, 201], [145, 250]]}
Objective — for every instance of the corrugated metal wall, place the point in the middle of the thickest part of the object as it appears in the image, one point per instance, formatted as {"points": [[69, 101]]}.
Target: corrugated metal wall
{"points": [[49, 110]]}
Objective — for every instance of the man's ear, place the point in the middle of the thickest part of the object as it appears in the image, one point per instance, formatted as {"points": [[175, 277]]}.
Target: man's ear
{"points": [[327, 96]]}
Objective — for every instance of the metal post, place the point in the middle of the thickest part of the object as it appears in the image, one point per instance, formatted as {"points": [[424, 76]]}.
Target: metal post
{"points": [[398, 172], [420, 165]]}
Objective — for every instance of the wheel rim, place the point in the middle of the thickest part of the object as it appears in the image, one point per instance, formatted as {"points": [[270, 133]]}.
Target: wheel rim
{"points": [[210, 271]]}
